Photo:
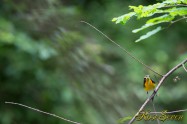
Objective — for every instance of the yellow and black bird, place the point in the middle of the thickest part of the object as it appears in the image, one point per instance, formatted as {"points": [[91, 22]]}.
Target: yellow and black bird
{"points": [[148, 84]]}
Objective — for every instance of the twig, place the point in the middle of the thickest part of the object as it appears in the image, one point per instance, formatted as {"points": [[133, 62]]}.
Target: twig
{"points": [[184, 67], [178, 20], [172, 22], [156, 89], [56, 116], [177, 5], [158, 122], [122, 48], [171, 112]]}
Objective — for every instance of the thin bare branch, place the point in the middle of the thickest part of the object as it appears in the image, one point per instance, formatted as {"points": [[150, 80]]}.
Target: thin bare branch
{"points": [[56, 116], [178, 5], [126, 51], [184, 67], [158, 122], [172, 22], [171, 112], [178, 20], [156, 89]]}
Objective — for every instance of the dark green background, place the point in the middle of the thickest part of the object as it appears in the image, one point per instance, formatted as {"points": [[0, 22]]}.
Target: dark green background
{"points": [[51, 61]]}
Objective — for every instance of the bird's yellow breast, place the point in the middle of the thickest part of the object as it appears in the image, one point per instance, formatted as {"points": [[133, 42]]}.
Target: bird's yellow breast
{"points": [[149, 85]]}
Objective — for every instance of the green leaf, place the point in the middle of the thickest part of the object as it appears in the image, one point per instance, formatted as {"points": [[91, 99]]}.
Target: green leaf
{"points": [[124, 18], [114, 19], [122, 120], [147, 11], [155, 21], [184, 1], [178, 11], [150, 33], [137, 9], [160, 19], [143, 27], [172, 1]]}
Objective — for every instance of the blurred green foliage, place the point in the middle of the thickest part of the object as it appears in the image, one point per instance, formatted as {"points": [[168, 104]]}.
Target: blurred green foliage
{"points": [[49, 60]]}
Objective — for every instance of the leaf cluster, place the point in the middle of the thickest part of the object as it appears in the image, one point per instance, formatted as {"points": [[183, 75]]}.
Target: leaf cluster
{"points": [[168, 11]]}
